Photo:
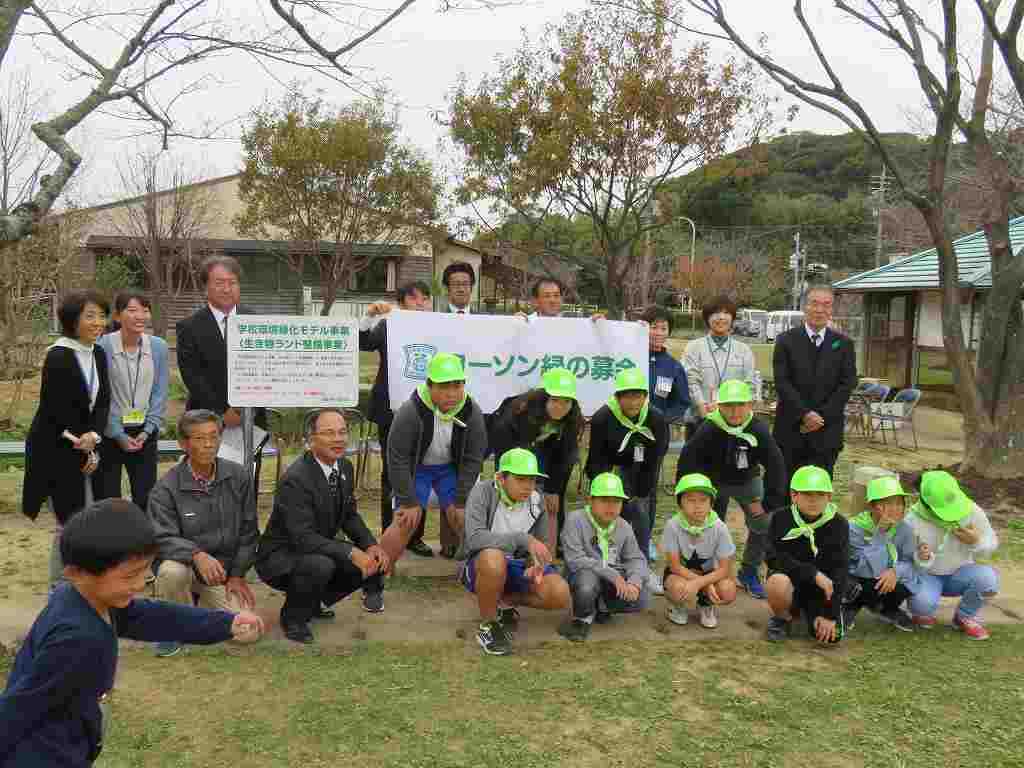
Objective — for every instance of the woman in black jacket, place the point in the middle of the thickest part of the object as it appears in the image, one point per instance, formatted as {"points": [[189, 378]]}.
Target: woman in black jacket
{"points": [[74, 402], [547, 421]]}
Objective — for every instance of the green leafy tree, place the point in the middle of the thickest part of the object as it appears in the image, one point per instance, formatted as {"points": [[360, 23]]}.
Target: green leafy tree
{"points": [[328, 181]]}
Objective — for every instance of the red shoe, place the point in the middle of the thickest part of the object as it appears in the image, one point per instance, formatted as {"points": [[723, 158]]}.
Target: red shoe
{"points": [[971, 627], [924, 622]]}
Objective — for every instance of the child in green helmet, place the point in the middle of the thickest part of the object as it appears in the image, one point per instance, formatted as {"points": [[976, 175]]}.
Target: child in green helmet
{"points": [[952, 532], [700, 552], [508, 563], [606, 567], [882, 570], [810, 560]]}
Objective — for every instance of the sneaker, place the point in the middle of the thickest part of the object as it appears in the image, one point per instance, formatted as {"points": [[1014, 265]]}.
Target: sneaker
{"points": [[678, 614], [924, 622], [652, 552], [493, 638], [167, 648], [849, 618], [508, 618], [709, 616], [654, 584], [897, 618], [751, 582], [420, 547], [971, 627], [602, 617], [778, 628], [575, 630], [373, 602]]}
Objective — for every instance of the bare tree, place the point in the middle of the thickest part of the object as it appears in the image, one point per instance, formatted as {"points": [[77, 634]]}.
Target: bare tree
{"points": [[164, 223], [22, 159]]}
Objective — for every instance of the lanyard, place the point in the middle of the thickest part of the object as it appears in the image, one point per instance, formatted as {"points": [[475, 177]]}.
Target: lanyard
{"points": [[725, 368], [138, 372]]}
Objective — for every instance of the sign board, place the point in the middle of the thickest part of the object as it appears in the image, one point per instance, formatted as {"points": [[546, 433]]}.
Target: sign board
{"points": [[292, 361], [506, 356]]}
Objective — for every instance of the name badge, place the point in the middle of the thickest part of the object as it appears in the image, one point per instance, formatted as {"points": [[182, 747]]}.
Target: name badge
{"points": [[638, 454], [741, 459], [135, 417], [663, 386]]}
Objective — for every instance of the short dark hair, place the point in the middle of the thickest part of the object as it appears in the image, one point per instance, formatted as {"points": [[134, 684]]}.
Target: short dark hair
{"points": [[72, 307], [310, 422], [718, 304], [194, 418], [125, 297], [106, 534], [230, 263], [416, 286], [454, 268], [656, 315], [540, 282]]}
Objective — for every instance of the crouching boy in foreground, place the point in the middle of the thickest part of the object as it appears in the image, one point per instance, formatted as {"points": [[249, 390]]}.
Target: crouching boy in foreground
{"points": [[607, 569], [52, 709]]}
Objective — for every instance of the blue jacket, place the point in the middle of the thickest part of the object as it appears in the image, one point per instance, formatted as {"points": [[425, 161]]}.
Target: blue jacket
{"points": [[157, 404], [674, 405], [50, 712], [870, 557]]}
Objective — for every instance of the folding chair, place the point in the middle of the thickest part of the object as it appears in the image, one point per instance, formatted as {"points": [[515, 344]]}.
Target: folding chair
{"points": [[909, 399]]}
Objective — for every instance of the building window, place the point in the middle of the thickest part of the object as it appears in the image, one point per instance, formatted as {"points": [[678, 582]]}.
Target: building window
{"points": [[376, 277]]}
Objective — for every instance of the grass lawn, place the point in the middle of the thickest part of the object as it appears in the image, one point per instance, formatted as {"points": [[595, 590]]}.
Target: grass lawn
{"points": [[602, 704]]}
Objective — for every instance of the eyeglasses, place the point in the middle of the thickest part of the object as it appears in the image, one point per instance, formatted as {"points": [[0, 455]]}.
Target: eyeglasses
{"points": [[333, 434]]}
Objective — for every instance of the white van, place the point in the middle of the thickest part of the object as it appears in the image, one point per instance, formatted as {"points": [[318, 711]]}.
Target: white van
{"points": [[781, 321], [750, 322]]}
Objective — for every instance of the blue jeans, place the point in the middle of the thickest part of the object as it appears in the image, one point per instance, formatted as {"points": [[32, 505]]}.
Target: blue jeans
{"points": [[971, 583]]}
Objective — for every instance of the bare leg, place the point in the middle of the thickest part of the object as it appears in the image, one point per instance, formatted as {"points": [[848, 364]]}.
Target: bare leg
{"points": [[396, 538], [491, 569], [780, 595], [552, 594]]}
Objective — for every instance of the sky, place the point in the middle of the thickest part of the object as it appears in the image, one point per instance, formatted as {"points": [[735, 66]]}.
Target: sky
{"points": [[421, 56]]}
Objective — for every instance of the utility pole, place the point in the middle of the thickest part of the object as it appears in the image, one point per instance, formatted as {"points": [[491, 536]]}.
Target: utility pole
{"points": [[879, 189], [795, 262]]}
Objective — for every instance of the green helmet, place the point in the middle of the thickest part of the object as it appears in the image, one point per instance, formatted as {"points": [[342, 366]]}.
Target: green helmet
{"points": [[883, 488], [445, 367], [696, 482], [560, 382], [734, 391], [608, 484], [942, 494], [811, 479], [630, 379], [519, 461]]}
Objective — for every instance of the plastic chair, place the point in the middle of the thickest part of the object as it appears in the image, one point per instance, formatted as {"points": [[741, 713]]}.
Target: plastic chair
{"points": [[909, 399]]}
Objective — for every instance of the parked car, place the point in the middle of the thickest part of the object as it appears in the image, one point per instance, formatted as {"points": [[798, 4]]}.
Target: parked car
{"points": [[750, 322], [781, 321]]}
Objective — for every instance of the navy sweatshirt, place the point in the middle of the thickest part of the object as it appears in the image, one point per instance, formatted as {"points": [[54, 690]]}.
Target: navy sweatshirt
{"points": [[50, 711]]}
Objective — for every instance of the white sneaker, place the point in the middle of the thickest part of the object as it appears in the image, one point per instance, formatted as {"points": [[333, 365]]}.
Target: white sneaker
{"points": [[678, 614], [654, 584], [709, 616]]}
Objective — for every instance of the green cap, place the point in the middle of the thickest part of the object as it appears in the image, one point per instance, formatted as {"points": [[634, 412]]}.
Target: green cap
{"points": [[630, 379], [445, 367], [884, 487], [560, 382], [811, 479], [735, 391], [696, 482], [519, 461], [607, 484], [942, 494]]}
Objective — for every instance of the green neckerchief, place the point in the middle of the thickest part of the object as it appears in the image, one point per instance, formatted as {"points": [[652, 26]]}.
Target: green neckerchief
{"points": [[924, 513], [866, 523], [604, 535], [803, 528], [424, 392], [697, 530], [716, 418], [632, 427], [720, 341], [549, 429], [504, 497]]}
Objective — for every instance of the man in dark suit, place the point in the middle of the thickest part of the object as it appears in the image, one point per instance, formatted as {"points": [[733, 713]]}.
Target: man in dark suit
{"points": [[373, 337], [298, 552], [815, 372], [202, 342]]}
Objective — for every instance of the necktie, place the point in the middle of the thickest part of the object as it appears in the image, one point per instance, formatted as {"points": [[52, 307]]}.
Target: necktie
{"points": [[332, 482], [816, 338]]}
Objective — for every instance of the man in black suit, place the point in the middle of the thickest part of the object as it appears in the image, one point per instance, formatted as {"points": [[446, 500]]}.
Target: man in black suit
{"points": [[298, 552], [202, 341], [373, 337], [815, 372]]}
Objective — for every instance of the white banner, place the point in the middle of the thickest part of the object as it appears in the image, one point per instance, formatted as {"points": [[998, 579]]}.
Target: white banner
{"points": [[506, 356], [292, 361]]}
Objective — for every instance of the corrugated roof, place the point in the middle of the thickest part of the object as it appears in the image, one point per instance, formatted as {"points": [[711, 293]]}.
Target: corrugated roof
{"points": [[921, 271]]}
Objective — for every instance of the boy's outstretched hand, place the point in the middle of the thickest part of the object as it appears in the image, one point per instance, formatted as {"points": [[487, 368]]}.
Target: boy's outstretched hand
{"points": [[247, 627], [824, 630]]}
